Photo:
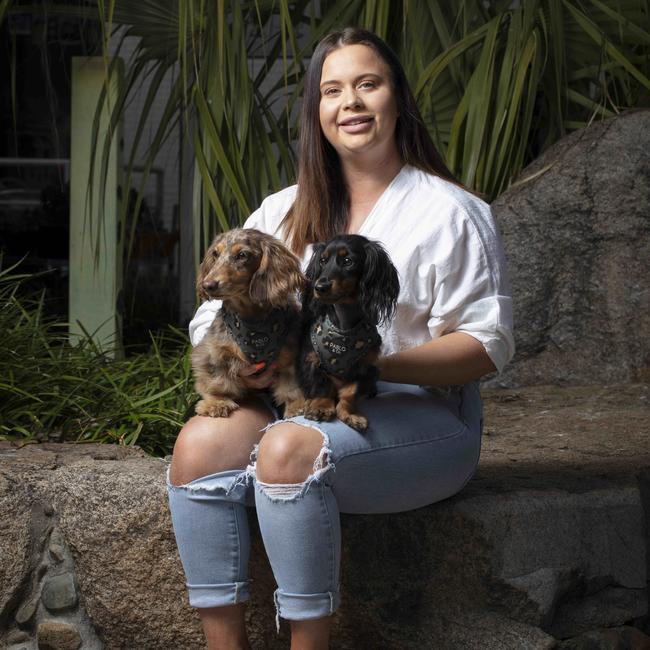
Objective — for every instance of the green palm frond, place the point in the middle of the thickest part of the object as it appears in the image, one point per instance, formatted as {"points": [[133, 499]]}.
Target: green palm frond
{"points": [[497, 82], [4, 6], [511, 81]]}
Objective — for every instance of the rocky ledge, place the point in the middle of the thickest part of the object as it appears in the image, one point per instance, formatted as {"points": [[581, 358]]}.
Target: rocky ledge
{"points": [[545, 548]]}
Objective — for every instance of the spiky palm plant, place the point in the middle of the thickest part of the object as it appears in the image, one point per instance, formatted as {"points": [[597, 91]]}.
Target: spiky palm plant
{"points": [[500, 84], [52, 390], [497, 81]]}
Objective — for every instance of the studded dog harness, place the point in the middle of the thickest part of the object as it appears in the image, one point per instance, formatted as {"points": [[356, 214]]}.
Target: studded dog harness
{"points": [[260, 340], [339, 350]]}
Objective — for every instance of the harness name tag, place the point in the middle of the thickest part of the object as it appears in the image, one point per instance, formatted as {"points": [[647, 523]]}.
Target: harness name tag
{"points": [[336, 349]]}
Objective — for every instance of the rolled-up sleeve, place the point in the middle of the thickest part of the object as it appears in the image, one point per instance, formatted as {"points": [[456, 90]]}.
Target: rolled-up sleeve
{"points": [[471, 291]]}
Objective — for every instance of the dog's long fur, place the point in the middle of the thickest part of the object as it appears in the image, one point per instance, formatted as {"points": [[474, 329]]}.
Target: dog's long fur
{"points": [[350, 279], [253, 274]]}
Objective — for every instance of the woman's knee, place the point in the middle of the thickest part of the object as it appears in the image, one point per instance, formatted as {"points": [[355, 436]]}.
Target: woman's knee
{"points": [[287, 453], [209, 445]]}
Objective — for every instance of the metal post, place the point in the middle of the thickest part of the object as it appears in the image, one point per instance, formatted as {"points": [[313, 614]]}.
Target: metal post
{"points": [[95, 242]]}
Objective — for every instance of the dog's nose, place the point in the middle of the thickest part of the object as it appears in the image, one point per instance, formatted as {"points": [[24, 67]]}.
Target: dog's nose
{"points": [[210, 285], [322, 285]]}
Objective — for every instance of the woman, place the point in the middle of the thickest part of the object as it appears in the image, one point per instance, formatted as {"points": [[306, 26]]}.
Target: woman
{"points": [[364, 147]]}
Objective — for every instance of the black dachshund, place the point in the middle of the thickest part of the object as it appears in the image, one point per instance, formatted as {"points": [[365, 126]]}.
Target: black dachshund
{"points": [[352, 287]]}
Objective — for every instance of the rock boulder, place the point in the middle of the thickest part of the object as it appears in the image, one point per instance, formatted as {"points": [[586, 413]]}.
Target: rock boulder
{"points": [[576, 230]]}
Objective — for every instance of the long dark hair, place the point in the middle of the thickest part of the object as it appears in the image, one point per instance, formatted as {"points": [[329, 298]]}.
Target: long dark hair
{"points": [[320, 209]]}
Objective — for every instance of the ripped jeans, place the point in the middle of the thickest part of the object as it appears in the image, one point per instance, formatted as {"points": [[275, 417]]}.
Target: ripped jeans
{"points": [[421, 446]]}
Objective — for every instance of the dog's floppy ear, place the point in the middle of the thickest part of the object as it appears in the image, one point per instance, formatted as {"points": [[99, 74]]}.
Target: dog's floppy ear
{"points": [[205, 267], [312, 273], [278, 275], [379, 284], [313, 268]]}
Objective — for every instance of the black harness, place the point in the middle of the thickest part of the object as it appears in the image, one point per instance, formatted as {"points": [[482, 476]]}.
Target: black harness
{"points": [[339, 350], [260, 340]]}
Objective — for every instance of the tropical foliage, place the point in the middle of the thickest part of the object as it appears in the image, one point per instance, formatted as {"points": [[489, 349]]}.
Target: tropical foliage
{"points": [[497, 82], [51, 390]]}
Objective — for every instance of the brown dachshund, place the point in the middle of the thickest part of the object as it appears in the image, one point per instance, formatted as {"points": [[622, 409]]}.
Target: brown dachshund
{"points": [[257, 278], [353, 286]]}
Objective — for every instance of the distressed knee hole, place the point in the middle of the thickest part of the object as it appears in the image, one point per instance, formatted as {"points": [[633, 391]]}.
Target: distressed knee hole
{"points": [[279, 456]]}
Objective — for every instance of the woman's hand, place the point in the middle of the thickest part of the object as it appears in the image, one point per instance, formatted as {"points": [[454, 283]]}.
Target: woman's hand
{"points": [[259, 381]]}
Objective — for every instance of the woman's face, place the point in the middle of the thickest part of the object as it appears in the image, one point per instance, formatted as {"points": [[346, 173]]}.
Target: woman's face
{"points": [[358, 111]]}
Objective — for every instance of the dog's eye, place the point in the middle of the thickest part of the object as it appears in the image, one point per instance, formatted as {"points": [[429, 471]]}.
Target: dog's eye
{"points": [[323, 261], [347, 261], [242, 255]]}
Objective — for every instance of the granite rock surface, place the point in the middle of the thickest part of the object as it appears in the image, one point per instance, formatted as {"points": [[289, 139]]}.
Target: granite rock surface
{"points": [[576, 226]]}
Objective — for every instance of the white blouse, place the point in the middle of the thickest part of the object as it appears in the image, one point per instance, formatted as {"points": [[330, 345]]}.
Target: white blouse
{"points": [[447, 251]]}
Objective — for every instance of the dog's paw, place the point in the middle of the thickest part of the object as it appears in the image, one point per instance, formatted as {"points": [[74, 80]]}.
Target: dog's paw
{"points": [[221, 408], [320, 409], [291, 409], [358, 422]]}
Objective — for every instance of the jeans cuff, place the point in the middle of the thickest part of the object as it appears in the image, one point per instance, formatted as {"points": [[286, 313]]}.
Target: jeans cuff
{"points": [[218, 595], [303, 607]]}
